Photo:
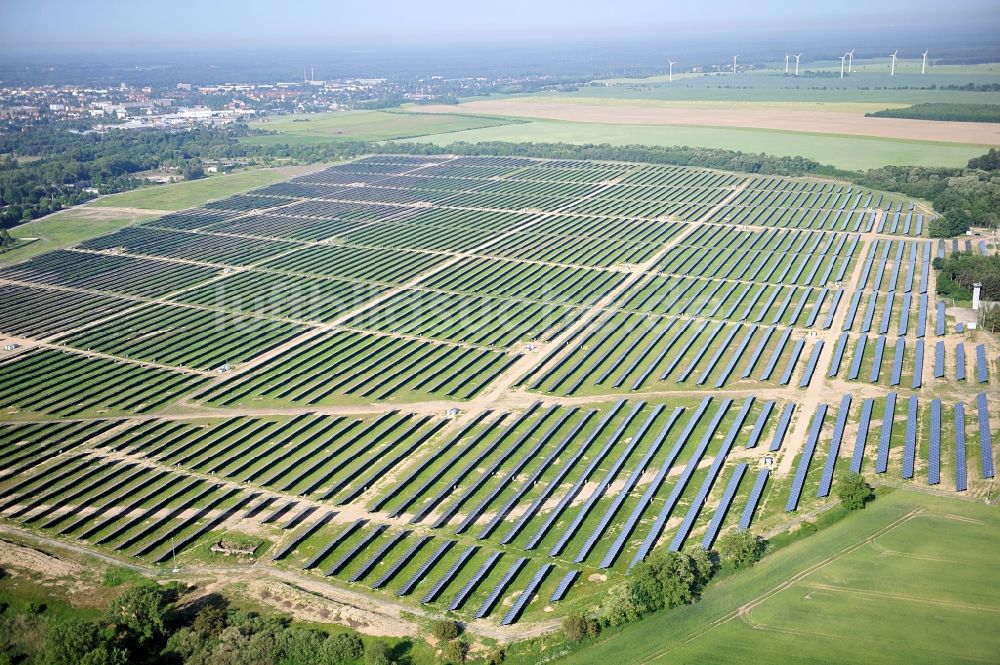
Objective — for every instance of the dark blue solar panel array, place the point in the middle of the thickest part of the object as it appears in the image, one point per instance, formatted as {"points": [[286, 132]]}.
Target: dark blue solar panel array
{"points": [[934, 448], [661, 520], [939, 360], [518, 606], [831, 457], [346, 557], [838, 354], [403, 559], [654, 487], [773, 361], [985, 437], [448, 576], [308, 531], [960, 361], [564, 584], [806, 458], [910, 445], [758, 426], [755, 493], [758, 350], [982, 373], [859, 353], [897, 362], [723, 508], [882, 462], [425, 567], [377, 555], [783, 422], [940, 323], [918, 365], [474, 581], [961, 472], [877, 358], [623, 494], [861, 441], [329, 547], [811, 365], [495, 594], [713, 473], [570, 531]]}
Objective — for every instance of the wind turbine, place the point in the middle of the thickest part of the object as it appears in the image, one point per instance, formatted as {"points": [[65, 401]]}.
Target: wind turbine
{"points": [[892, 70], [734, 63], [843, 59], [670, 76], [923, 67], [797, 63], [786, 64], [850, 61]]}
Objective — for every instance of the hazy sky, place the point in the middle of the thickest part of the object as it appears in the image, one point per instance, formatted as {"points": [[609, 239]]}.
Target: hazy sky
{"points": [[65, 25]]}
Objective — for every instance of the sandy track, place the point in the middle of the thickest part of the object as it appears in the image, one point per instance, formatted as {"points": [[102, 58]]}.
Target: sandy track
{"points": [[850, 124]]}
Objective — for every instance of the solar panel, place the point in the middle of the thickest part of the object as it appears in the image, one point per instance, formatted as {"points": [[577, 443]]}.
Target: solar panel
{"points": [[783, 422], [755, 493], [308, 531], [831, 313], [934, 447], [474, 581], [910, 446], [654, 487], [862, 438], [786, 376], [682, 481], [939, 360], [806, 458], [602, 485], [831, 457], [377, 555], [883, 326], [922, 316], [985, 437], [713, 473], [866, 322], [877, 359], [838, 354], [501, 586], [598, 531], [346, 557], [904, 314], [720, 512], [961, 474], [758, 426], [563, 587], [769, 368], [811, 365], [960, 361], [918, 365], [940, 323], [859, 354], [518, 606], [329, 547], [982, 372], [755, 356], [425, 567], [882, 462], [852, 311]]}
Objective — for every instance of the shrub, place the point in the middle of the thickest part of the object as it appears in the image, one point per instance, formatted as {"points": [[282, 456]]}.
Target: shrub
{"points": [[445, 630], [741, 548]]}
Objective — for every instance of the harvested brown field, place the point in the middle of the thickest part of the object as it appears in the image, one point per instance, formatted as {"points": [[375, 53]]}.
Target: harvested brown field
{"points": [[821, 122]]}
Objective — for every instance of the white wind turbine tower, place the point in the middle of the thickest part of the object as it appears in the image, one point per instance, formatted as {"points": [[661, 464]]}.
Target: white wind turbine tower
{"points": [[670, 76], [734, 63], [797, 63], [892, 70], [843, 59], [786, 64], [923, 67], [850, 61]]}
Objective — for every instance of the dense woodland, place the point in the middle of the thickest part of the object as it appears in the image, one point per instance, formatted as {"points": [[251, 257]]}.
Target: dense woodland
{"points": [[943, 111]]}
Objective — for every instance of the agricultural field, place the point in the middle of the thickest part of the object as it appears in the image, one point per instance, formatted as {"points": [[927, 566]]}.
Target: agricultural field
{"points": [[312, 128], [487, 387]]}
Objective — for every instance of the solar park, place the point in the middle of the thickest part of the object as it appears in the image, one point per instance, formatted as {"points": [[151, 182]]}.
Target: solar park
{"points": [[487, 386]]}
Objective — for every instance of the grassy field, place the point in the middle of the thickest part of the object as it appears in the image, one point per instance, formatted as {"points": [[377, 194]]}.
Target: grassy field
{"points": [[843, 152], [65, 228], [181, 195], [363, 126], [111, 213], [855, 592]]}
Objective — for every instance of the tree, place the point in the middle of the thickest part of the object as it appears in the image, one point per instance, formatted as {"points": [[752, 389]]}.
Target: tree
{"points": [[343, 648], [854, 492], [445, 630], [76, 642], [454, 651], [740, 547], [210, 621], [576, 627], [142, 609]]}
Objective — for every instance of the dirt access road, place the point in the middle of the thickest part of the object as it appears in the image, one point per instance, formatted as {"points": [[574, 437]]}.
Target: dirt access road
{"points": [[822, 122]]}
